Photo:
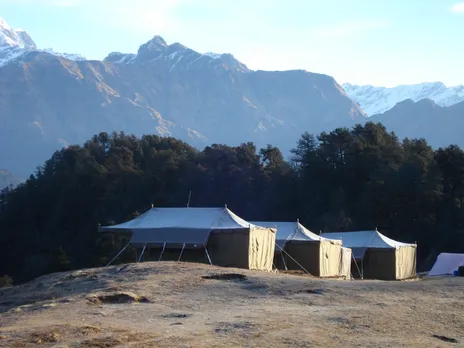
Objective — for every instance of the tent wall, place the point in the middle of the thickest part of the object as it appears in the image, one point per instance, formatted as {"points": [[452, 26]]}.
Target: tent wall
{"points": [[345, 264], [330, 259], [379, 264], [244, 248], [305, 253], [262, 247], [406, 262], [230, 249]]}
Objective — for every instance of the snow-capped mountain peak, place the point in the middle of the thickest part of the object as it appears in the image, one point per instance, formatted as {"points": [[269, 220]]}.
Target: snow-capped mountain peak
{"points": [[16, 43], [375, 100], [177, 57], [15, 37]]}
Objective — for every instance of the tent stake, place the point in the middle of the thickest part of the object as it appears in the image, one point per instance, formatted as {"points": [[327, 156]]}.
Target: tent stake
{"points": [[183, 246], [207, 254], [162, 251], [109, 263], [143, 250]]}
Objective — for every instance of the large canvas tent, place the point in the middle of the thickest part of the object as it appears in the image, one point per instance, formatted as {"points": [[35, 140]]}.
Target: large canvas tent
{"points": [[377, 256], [446, 264], [226, 239], [299, 248]]}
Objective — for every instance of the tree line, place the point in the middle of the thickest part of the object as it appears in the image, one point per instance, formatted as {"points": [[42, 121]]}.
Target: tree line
{"points": [[348, 179]]}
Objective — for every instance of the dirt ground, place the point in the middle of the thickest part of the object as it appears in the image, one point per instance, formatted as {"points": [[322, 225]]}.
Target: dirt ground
{"points": [[170, 304]]}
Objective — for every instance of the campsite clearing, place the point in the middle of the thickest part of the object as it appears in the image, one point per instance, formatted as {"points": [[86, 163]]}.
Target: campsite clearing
{"points": [[170, 304]]}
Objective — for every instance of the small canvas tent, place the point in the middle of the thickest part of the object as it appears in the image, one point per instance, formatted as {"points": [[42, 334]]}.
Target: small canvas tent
{"points": [[446, 264], [297, 248], [377, 256], [227, 239]]}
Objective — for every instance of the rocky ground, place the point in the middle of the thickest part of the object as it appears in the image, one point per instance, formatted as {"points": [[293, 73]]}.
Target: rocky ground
{"points": [[170, 304]]}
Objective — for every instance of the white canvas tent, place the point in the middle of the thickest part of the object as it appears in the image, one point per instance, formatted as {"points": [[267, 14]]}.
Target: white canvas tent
{"points": [[298, 247], [227, 239], [446, 264], [379, 257]]}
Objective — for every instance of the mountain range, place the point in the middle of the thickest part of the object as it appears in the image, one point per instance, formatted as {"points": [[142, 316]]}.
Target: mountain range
{"points": [[376, 100], [50, 100], [440, 126]]}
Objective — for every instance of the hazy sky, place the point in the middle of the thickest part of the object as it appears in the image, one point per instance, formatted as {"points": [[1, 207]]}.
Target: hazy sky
{"points": [[379, 42]]}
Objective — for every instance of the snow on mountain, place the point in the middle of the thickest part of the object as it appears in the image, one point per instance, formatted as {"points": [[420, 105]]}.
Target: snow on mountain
{"points": [[14, 37], [69, 56], [376, 100], [176, 57], [15, 43], [213, 55]]}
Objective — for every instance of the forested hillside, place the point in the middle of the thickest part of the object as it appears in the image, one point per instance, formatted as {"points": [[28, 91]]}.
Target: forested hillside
{"points": [[348, 179]]}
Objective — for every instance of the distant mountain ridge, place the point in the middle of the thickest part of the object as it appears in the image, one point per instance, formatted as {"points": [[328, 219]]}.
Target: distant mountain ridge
{"points": [[48, 101], [375, 100], [440, 126]]}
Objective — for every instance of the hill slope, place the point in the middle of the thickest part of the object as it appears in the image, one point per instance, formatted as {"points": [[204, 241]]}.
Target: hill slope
{"points": [[48, 101], [179, 308]]}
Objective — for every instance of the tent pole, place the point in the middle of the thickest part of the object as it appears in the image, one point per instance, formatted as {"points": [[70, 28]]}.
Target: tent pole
{"points": [[143, 250], [282, 250], [162, 251], [356, 263], [362, 268], [283, 260], [207, 254], [114, 258], [183, 246]]}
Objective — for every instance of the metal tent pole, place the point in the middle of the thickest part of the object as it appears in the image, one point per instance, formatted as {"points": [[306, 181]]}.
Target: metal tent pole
{"points": [[356, 263], [114, 258], [362, 268], [162, 251], [183, 247], [143, 250], [207, 254], [283, 259]]}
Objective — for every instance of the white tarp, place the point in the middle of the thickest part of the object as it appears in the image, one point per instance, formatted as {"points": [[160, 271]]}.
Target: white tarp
{"points": [[179, 225], [287, 231], [360, 241], [446, 264]]}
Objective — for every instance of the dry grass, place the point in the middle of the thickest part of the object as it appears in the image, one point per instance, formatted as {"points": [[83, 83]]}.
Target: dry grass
{"points": [[171, 304]]}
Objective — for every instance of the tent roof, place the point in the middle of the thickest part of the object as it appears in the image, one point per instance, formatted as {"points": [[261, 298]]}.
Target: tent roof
{"points": [[360, 241], [287, 231], [179, 225], [446, 263]]}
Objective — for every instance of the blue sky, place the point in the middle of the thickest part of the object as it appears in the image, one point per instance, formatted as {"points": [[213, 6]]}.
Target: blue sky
{"points": [[379, 42]]}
